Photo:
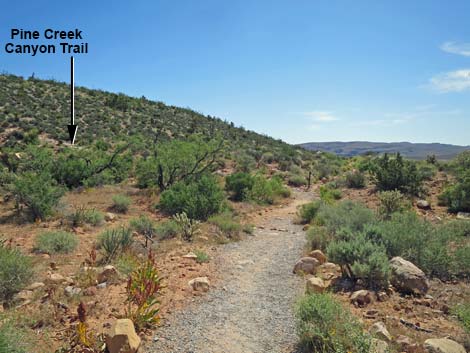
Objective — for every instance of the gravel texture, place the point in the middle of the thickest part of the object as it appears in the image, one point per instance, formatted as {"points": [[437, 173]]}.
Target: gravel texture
{"points": [[251, 309]]}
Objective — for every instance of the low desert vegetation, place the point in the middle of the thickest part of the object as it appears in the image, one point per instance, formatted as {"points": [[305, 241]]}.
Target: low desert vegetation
{"points": [[121, 203], [114, 242], [57, 242], [15, 271]]}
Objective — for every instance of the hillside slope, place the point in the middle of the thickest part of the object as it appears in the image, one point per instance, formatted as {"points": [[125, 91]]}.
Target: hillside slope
{"points": [[410, 150]]}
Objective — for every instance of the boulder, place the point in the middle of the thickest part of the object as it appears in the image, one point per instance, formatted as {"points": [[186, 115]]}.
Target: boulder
{"points": [[315, 285], [191, 256], [405, 344], [378, 346], [408, 278], [443, 345], [110, 217], [463, 215], [24, 295], [35, 285], [423, 204], [319, 255], [306, 265], [107, 273], [200, 284], [361, 297], [56, 278], [71, 291], [122, 337], [380, 331]]}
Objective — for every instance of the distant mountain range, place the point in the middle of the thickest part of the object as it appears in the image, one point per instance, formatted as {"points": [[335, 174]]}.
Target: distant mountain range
{"points": [[407, 149]]}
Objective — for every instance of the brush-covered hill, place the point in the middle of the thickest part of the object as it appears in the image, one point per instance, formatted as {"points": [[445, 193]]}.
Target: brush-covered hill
{"points": [[44, 105], [407, 149]]}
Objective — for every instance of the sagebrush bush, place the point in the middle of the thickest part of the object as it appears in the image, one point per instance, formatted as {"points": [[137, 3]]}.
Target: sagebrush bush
{"points": [[355, 180], [318, 238], [390, 202], [325, 326], [297, 180], [56, 242], [462, 312], [239, 185], [15, 272], [121, 203], [114, 242], [82, 215], [199, 199], [329, 194], [38, 192], [308, 211], [226, 224], [457, 196], [267, 191], [167, 230]]}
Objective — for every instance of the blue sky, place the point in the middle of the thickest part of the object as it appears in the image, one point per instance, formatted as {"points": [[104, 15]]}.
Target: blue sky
{"points": [[300, 70]]}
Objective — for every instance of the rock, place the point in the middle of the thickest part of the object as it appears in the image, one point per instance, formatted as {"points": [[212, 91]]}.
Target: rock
{"points": [[35, 285], [423, 204], [443, 345], [122, 337], [56, 278], [90, 291], [191, 256], [102, 285], [361, 297], [306, 265], [24, 295], [378, 346], [200, 284], [107, 274], [70, 291], [380, 331], [382, 296], [405, 344], [315, 285], [408, 278], [463, 215], [110, 217], [319, 255]]}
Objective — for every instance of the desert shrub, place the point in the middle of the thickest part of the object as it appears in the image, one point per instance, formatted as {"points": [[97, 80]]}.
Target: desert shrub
{"points": [[361, 258], [12, 340], [56, 242], [38, 192], [248, 229], [267, 191], [202, 256], [226, 224], [325, 326], [308, 211], [188, 227], [114, 242], [396, 173], [239, 185], [167, 230], [15, 272], [121, 203], [94, 217], [144, 226], [462, 260], [345, 214], [199, 199], [82, 215], [329, 194], [462, 312], [126, 263], [390, 202], [457, 196], [318, 238], [297, 180], [355, 180]]}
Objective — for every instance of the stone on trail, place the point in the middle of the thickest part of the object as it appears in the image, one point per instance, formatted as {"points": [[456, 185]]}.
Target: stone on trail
{"points": [[408, 278], [191, 256], [306, 265], [200, 284], [361, 297], [378, 346], [315, 285], [122, 337], [380, 331], [443, 345], [319, 255]]}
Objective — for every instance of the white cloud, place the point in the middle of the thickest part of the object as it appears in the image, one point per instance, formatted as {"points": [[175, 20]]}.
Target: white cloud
{"points": [[456, 48], [321, 116], [453, 81]]}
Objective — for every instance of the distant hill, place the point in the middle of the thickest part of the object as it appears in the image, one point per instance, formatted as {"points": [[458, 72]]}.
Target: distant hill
{"points": [[407, 149]]}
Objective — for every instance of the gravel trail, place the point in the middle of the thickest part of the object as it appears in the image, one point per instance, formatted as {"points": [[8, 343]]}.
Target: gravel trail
{"points": [[251, 309]]}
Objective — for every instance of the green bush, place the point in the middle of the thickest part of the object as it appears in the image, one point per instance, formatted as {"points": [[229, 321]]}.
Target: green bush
{"points": [[318, 238], [202, 256], [56, 242], [144, 226], [308, 211], [167, 230], [267, 191], [239, 184], [457, 196], [82, 215], [345, 214], [361, 258], [12, 340], [396, 173], [355, 180], [188, 227], [15, 272], [226, 224], [325, 326], [114, 242], [297, 180], [462, 311], [38, 192], [121, 203], [390, 203], [329, 194], [199, 199]]}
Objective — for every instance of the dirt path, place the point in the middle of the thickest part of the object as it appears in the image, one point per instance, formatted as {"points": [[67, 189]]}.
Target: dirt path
{"points": [[251, 310]]}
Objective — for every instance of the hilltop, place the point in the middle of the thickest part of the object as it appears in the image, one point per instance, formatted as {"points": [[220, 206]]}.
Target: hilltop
{"points": [[407, 149]]}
